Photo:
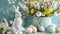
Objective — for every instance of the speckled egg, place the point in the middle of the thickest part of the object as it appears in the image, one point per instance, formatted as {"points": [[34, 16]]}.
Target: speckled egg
{"points": [[57, 29], [34, 29], [51, 29], [41, 29], [28, 29]]}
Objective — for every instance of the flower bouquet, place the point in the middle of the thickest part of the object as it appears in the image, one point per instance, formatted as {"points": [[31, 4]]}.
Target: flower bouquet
{"points": [[41, 10]]}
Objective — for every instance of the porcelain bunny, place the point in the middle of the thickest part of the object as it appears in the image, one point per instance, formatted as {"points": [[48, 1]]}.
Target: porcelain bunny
{"points": [[17, 24]]}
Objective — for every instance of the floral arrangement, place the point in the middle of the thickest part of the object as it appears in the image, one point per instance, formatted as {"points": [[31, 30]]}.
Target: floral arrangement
{"points": [[40, 8]]}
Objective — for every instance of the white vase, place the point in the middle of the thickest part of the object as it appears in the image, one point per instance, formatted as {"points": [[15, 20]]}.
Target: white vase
{"points": [[43, 21]]}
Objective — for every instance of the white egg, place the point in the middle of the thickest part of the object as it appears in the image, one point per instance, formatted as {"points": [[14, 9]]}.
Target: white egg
{"points": [[41, 29]]}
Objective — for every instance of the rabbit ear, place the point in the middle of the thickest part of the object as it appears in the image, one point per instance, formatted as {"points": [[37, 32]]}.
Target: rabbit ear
{"points": [[17, 7], [14, 8], [5, 21]]}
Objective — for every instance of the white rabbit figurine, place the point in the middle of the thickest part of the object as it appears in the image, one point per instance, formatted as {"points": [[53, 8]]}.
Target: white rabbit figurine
{"points": [[17, 24]]}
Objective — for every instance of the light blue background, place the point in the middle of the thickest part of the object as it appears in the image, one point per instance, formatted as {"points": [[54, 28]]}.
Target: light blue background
{"points": [[6, 12]]}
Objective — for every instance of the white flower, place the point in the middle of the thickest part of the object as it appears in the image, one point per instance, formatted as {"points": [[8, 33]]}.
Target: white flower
{"points": [[55, 4], [24, 7], [35, 6], [32, 3], [11, 1], [38, 14], [55, 14], [38, 6], [43, 14]]}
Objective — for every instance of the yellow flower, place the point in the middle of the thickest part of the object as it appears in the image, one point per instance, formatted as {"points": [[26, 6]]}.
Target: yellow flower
{"points": [[47, 11], [58, 10], [32, 11]]}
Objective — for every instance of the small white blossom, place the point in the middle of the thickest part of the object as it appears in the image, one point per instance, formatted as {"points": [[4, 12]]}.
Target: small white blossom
{"points": [[43, 14], [38, 14], [11, 1], [35, 6], [55, 14], [38, 5], [24, 7]]}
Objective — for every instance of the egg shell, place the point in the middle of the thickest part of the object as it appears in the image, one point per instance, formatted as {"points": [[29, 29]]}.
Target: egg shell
{"points": [[22, 29], [57, 29], [50, 29], [41, 29], [34, 29], [28, 29]]}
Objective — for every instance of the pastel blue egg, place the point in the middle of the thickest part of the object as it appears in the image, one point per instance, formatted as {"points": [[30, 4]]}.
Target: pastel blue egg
{"points": [[51, 29], [22, 29]]}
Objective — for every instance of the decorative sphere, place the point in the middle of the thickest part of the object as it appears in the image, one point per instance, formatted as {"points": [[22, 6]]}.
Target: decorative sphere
{"points": [[22, 29], [34, 29], [28, 29], [51, 29], [57, 29], [41, 28]]}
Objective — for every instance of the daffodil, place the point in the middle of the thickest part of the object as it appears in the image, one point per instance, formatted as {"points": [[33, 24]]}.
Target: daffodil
{"points": [[58, 10], [32, 11], [47, 11]]}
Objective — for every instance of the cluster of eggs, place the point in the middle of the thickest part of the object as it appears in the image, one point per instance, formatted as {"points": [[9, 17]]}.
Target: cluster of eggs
{"points": [[51, 28], [31, 29], [34, 29]]}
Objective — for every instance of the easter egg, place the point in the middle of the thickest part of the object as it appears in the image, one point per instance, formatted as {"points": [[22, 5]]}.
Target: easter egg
{"points": [[41, 28], [57, 29], [22, 29], [28, 29], [51, 29], [34, 29]]}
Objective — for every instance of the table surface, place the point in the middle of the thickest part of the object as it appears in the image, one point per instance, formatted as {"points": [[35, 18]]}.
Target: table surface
{"points": [[41, 33]]}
